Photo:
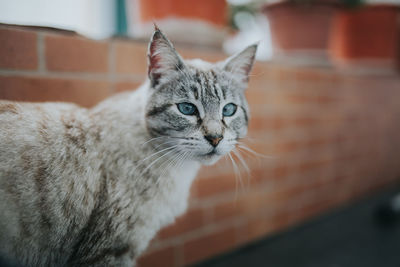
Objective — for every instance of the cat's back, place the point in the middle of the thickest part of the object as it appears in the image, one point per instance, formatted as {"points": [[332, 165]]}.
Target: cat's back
{"points": [[27, 127], [40, 147]]}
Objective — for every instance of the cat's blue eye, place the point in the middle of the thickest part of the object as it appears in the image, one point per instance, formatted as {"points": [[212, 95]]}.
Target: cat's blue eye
{"points": [[229, 110], [187, 108]]}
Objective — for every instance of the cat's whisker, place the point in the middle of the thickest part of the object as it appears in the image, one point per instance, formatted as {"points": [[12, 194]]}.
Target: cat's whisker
{"points": [[160, 165], [244, 165], [172, 163], [159, 158], [247, 153], [177, 162], [153, 139], [165, 167], [238, 176], [165, 143], [141, 162], [244, 147], [158, 152], [242, 161]]}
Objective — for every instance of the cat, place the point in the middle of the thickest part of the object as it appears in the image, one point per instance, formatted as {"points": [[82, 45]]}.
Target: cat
{"points": [[91, 187]]}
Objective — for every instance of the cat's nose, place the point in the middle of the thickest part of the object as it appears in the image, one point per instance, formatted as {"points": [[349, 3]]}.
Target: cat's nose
{"points": [[213, 139]]}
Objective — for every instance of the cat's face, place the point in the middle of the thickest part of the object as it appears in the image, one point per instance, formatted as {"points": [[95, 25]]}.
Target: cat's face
{"points": [[196, 109]]}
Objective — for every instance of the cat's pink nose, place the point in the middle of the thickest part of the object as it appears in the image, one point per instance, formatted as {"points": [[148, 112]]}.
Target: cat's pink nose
{"points": [[213, 139]]}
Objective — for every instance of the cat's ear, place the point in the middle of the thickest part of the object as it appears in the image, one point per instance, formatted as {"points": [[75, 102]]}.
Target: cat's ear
{"points": [[162, 57], [241, 63]]}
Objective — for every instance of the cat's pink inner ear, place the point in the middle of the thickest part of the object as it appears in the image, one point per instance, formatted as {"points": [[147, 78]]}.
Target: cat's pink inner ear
{"points": [[162, 57], [154, 60]]}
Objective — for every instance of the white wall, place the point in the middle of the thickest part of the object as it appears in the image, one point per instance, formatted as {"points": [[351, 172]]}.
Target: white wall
{"points": [[93, 18]]}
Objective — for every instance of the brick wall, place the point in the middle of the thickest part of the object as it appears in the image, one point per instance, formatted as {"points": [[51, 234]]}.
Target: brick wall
{"points": [[331, 137]]}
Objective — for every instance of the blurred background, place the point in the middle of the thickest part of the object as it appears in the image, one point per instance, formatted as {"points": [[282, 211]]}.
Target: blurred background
{"points": [[325, 122]]}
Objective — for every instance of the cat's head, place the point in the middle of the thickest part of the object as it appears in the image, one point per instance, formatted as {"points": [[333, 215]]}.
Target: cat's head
{"points": [[196, 108]]}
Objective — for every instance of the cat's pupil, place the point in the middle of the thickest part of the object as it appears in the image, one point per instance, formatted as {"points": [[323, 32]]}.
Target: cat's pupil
{"points": [[229, 110]]}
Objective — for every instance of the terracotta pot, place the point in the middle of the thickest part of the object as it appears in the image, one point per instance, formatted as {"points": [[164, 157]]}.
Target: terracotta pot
{"points": [[213, 11], [298, 28], [366, 36], [185, 21]]}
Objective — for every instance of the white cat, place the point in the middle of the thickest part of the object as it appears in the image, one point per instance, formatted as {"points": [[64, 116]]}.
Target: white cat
{"points": [[91, 187]]}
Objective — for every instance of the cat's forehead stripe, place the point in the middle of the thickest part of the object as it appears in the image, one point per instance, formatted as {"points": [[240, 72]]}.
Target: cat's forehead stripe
{"points": [[195, 91]]}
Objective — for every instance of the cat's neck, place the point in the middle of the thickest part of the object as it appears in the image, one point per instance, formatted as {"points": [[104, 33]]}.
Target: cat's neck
{"points": [[123, 133], [121, 117]]}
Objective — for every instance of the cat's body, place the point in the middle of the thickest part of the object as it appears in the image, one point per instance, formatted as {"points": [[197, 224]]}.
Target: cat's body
{"points": [[88, 178], [91, 187]]}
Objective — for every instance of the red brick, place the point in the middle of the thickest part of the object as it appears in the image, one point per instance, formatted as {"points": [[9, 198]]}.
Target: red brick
{"points": [[83, 92], [322, 141], [316, 208], [298, 98], [305, 121], [209, 245], [256, 229], [18, 49], [248, 204], [206, 187], [311, 165], [257, 96], [314, 76], [260, 175], [229, 210], [286, 147], [73, 53], [130, 57], [191, 220], [266, 123], [158, 258], [280, 172], [260, 227], [211, 55], [125, 86]]}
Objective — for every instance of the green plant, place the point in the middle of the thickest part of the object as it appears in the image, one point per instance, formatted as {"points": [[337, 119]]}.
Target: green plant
{"points": [[250, 8]]}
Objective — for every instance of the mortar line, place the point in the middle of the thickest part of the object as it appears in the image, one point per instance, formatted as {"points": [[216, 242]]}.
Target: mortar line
{"points": [[41, 53]]}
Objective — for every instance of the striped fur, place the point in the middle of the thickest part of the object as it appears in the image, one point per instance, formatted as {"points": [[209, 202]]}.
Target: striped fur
{"points": [[91, 187]]}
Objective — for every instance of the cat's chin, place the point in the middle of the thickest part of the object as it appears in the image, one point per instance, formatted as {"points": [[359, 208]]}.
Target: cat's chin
{"points": [[209, 159]]}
